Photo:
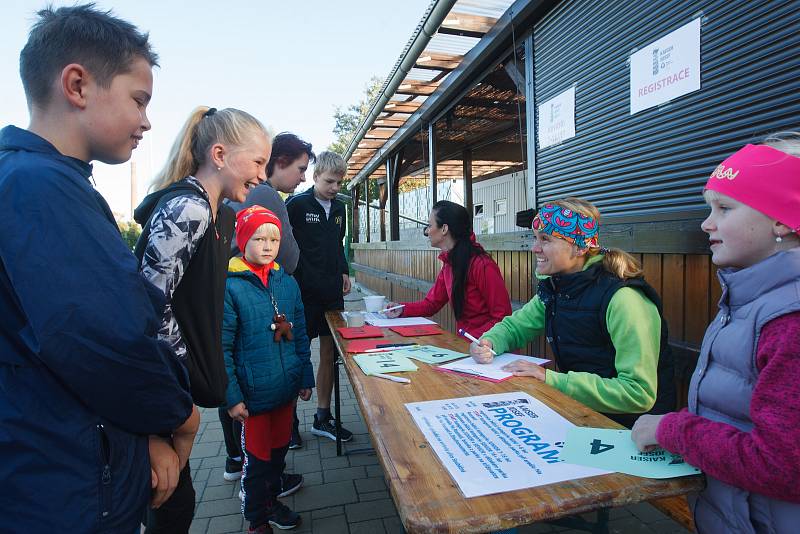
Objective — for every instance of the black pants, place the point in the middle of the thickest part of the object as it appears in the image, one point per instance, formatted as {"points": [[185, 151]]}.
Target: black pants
{"points": [[175, 515], [261, 482], [232, 433]]}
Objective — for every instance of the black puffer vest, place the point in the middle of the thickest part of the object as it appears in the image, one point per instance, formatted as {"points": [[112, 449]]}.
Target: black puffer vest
{"points": [[575, 326]]}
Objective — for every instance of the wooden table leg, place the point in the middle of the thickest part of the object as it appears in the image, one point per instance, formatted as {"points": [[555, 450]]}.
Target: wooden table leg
{"points": [[578, 523]]}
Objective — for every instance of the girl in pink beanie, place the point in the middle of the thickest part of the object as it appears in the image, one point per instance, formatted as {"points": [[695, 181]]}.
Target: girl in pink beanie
{"points": [[742, 426]]}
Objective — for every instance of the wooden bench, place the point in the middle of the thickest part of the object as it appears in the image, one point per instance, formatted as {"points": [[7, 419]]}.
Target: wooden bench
{"points": [[677, 508], [685, 355]]}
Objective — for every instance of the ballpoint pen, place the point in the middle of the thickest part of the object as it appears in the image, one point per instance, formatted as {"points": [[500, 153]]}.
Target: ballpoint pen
{"points": [[392, 308], [393, 378], [465, 371], [388, 348], [473, 339]]}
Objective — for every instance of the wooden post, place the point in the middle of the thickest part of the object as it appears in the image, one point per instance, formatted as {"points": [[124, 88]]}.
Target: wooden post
{"points": [[392, 182], [383, 197], [467, 160], [356, 226], [432, 162], [367, 199]]}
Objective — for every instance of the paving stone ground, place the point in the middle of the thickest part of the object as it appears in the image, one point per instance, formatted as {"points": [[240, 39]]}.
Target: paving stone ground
{"points": [[346, 494]]}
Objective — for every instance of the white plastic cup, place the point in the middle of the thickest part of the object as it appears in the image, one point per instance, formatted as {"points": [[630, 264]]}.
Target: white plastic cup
{"points": [[354, 319], [374, 303]]}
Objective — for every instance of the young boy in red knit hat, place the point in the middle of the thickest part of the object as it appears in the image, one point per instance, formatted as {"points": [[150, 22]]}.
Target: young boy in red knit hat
{"points": [[267, 356]]}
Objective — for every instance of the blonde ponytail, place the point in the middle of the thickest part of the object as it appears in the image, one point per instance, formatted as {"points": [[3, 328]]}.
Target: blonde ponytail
{"points": [[203, 129], [615, 260]]}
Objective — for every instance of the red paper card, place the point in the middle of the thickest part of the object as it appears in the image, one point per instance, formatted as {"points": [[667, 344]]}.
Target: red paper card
{"points": [[360, 345], [356, 332], [417, 330]]}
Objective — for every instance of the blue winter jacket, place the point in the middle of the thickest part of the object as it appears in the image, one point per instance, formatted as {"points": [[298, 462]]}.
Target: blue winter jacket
{"points": [[83, 379], [263, 373]]}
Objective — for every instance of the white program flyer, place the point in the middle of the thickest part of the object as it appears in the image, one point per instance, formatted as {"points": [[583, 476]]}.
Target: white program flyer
{"points": [[496, 443]]}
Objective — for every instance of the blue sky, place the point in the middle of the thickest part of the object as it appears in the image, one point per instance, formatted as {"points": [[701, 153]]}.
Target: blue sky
{"points": [[288, 63]]}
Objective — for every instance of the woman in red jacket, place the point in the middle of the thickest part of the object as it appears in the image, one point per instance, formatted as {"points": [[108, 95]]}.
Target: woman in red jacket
{"points": [[470, 279]]}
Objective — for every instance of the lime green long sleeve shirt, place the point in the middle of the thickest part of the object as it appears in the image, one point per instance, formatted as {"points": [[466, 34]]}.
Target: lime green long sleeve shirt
{"points": [[635, 328]]}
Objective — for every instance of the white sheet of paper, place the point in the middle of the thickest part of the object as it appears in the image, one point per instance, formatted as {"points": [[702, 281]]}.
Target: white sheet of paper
{"points": [[490, 370], [380, 320], [496, 443]]}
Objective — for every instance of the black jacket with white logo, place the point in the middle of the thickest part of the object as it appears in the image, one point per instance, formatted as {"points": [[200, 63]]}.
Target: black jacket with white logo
{"points": [[322, 261]]}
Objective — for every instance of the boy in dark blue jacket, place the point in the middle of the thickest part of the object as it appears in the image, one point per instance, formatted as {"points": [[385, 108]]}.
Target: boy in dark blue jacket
{"points": [[268, 359], [83, 379]]}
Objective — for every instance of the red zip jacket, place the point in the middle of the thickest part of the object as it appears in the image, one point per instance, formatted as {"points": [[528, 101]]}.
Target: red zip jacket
{"points": [[486, 301]]}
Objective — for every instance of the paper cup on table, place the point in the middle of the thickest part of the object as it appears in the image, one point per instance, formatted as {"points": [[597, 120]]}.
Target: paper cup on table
{"points": [[374, 303], [354, 319]]}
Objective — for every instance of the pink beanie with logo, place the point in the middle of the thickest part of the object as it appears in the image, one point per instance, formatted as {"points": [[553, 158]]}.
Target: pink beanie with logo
{"points": [[763, 178]]}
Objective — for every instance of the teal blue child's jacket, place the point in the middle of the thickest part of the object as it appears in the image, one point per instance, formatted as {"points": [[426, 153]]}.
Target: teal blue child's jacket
{"points": [[263, 373]]}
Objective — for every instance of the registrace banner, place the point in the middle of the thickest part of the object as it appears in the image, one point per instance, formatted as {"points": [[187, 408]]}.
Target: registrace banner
{"points": [[496, 443]]}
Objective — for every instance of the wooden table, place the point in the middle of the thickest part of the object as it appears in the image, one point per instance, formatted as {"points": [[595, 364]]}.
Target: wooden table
{"points": [[428, 499]]}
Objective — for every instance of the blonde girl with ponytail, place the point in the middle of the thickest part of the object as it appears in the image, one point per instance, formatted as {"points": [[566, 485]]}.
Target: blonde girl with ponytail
{"points": [[183, 251], [602, 320]]}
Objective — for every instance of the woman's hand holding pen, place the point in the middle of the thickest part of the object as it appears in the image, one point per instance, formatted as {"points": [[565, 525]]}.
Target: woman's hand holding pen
{"points": [[481, 351]]}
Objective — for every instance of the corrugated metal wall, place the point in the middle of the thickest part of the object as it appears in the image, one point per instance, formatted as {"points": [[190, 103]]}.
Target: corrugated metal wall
{"points": [[658, 159]]}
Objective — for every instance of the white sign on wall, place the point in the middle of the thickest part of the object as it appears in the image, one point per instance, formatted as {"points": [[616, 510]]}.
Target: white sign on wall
{"points": [[666, 69], [557, 119]]}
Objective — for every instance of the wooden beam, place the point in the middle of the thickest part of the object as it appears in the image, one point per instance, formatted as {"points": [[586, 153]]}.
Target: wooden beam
{"points": [[438, 61], [467, 25], [400, 106], [370, 143], [417, 87], [367, 200], [379, 133], [467, 159], [387, 122], [356, 228]]}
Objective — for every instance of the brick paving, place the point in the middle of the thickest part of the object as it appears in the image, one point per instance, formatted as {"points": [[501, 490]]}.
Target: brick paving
{"points": [[347, 494]]}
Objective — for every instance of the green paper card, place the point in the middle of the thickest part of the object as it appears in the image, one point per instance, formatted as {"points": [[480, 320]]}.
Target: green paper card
{"points": [[384, 362], [430, 354], [613, 450]]}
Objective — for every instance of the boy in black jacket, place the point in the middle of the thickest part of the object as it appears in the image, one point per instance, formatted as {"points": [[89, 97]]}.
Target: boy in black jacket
{"points": [[318, 223]]}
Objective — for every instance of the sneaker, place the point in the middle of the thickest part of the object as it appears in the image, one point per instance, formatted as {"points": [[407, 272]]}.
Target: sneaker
{"points": [[327, 429], [290, 483], [261, 529], [280, 516], [296, 441], [233, 470]]}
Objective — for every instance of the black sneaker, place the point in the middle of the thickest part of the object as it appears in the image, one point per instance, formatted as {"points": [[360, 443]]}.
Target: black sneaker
{"points": [[296, 441], [290, 483], [261, 529], [233, 470], [280, 516], [327, 429]]}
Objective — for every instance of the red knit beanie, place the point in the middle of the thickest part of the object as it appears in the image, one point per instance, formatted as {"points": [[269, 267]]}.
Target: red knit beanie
{"points": [[249, 219]]}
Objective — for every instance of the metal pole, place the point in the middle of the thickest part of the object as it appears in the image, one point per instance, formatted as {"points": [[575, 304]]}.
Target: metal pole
{"points": [[530, 121], [432, 162]]}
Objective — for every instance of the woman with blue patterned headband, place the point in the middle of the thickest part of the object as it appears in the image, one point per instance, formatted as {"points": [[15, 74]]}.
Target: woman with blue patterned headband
{"points": [[602, 320]]}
